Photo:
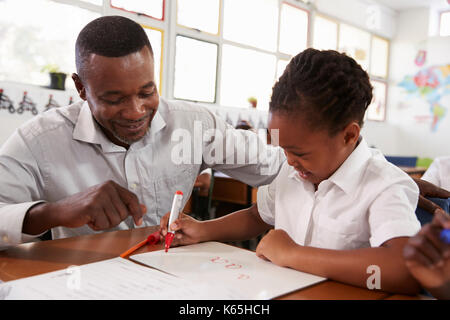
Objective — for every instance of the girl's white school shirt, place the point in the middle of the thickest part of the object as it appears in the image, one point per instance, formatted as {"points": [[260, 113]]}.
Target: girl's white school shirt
{"points": [[439, 173], [366, 202]]}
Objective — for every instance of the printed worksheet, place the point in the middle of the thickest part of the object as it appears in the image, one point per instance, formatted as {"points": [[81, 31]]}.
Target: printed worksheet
{"points": [[111, 279], [228, 267]]}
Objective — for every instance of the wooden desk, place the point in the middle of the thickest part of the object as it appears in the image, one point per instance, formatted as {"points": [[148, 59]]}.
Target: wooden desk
{"points": [[414, 172], [39, 257]]}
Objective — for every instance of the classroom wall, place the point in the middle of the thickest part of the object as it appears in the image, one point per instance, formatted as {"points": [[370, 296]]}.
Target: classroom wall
{"points": [[40, 96], [358, 13], [408, 129]]}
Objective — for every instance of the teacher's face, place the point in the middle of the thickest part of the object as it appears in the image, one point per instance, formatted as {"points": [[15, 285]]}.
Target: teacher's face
{"points": [[121, 93]]}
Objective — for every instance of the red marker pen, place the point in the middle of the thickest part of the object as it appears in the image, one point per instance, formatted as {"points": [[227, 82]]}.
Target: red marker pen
{"points": [[176, 208]]}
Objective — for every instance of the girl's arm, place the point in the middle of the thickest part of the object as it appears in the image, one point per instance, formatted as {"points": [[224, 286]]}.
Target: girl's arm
{"points": [[359, 267], [240, 225]]}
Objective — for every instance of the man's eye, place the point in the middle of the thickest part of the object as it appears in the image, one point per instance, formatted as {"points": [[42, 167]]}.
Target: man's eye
{"points": [[147, 95]]}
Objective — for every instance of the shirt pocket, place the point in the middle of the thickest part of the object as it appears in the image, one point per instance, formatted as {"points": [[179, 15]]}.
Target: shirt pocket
{"points": [[339, 234], [181, 178]]}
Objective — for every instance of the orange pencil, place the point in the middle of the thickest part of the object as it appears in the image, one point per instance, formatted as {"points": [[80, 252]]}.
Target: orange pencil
{"points": [[151, 239]]}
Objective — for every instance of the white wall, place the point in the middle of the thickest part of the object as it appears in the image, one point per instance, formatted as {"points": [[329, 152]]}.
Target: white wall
{"points": [[407, 130]]}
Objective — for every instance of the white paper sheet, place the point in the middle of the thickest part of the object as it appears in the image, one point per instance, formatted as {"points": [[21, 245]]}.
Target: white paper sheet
{"points": [[228, 267], [110, 279]]}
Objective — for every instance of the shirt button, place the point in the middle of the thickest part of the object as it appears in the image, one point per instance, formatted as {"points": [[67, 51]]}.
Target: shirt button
{"points": [[133, 186]]}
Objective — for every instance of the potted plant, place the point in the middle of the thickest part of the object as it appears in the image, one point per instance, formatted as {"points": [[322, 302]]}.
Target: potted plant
{"points": [[57, 78], [253, 101]]}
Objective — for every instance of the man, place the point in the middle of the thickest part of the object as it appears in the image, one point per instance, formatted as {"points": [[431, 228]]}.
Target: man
{"points": [[112, 161]]}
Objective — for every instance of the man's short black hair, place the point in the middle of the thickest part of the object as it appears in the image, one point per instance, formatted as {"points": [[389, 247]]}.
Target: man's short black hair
{"points": [[109, 36]]}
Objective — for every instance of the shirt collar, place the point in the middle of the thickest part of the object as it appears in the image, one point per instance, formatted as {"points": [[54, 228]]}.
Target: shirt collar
{"points": [[347, 176], [88, 130]]}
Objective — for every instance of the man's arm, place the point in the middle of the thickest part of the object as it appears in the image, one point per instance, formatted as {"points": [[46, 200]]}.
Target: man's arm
{"points": [[24, 213], [241, 154]]}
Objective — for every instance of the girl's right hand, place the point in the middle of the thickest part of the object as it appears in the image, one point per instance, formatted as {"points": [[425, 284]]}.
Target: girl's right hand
{"points": [[187, 229]]}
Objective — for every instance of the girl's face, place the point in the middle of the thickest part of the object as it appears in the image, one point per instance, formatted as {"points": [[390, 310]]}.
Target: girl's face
{"points": [[315, 155]]}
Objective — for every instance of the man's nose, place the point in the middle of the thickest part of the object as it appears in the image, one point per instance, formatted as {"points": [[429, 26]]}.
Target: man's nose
{"points": [[134, 110]]}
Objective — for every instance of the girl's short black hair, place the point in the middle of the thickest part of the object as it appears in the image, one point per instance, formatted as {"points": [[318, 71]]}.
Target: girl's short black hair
{"points": [[328, 88], [109, 36]]}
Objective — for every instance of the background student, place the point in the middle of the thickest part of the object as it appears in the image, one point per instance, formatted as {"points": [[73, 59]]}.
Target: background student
{"points": [[428, 257], [337, 206]]}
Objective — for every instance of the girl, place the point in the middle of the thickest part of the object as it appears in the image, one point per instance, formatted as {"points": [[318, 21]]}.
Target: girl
{"points": [[338, 208]]}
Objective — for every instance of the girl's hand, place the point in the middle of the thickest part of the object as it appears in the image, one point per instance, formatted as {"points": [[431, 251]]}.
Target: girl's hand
{"points": [[276, 246], [187, 229]]}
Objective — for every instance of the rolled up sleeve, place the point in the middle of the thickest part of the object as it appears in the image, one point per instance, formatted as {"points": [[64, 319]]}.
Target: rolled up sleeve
{"points": [[266, 203], [20, 182]]}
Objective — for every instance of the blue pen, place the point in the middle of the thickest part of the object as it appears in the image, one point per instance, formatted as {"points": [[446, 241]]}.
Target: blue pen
{"points": [[445, 236]]}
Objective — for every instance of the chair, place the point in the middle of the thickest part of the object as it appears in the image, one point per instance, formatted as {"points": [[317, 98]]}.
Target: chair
{"points": [[424, 162], [402, 161], [425, 216], [202, 205]]}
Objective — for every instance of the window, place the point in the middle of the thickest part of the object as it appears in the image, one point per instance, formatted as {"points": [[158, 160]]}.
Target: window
{"points": [[281, 66], [246, 73], [31, 41], [355, 43], [155, 37], [325, 33], [202, 15], [151, 8], [195, 70], [377, 109], [251, 22], [444, 24], [293, 23], [379, 57]]}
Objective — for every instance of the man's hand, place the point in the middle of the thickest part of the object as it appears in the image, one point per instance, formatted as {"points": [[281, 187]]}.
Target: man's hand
{"points": [[428, 189], [428, 257], [101, 207]]}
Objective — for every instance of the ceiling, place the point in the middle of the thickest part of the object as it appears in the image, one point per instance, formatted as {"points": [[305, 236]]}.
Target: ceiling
{"points": [[401, 5]]}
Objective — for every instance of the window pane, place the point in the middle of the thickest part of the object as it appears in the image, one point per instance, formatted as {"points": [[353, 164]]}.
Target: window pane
{"points": [[195, 70], [444, 29], [293, 29], [246, 73], [377, 109], [199, 14], [30, 41], [379, 57], [252, 22], [325, 34], [280, 67], [152, 8], [355, 43], [155, 37]]}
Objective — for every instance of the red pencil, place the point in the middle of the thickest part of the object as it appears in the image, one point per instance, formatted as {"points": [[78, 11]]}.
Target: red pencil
{"points": [[151, 239]]}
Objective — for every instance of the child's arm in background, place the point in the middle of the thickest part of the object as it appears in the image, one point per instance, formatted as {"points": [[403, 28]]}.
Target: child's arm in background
{"points": [[349, 266], [240, 225], [428, 257]]}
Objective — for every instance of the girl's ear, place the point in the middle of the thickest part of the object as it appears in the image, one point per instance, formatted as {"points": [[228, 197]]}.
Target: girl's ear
{"points": [[351, 133], [79, 85]]}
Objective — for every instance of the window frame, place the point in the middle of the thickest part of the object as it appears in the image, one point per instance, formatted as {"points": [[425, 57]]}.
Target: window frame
{"points": [[440, 22], [170, 29]]}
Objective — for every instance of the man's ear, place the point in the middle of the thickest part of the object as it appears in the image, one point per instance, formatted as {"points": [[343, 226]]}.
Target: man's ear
{"points": [[79, 85], [351, 133]]}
